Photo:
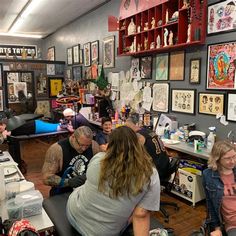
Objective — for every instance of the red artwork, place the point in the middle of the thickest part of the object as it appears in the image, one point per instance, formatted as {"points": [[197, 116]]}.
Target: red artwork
{"points": [[127, 8], [146, 4], [221, 66]]}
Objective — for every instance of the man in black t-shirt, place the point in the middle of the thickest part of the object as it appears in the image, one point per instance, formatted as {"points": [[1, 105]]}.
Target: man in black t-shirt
{"points": [[153, 145], [67, 160]]}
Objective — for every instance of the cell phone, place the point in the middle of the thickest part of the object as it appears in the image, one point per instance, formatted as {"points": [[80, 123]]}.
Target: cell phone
{"points": [[4, 159]]}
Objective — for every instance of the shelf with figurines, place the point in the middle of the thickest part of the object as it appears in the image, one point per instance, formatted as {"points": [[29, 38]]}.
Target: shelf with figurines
{"points": [[172, 24]]}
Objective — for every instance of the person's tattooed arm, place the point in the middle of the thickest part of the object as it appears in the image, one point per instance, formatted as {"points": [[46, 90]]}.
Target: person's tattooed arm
{"points": [[52, 165]]}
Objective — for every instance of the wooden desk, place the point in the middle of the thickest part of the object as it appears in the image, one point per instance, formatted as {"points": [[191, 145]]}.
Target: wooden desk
{"points": [[183, 147], [41, 222]]}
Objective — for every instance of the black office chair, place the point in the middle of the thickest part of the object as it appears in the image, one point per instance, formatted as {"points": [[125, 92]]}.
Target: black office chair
{"points": [[173, 168]]}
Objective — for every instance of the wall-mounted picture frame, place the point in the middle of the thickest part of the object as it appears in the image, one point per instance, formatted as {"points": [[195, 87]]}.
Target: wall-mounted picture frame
{"points": [[231, 106], [183, 100], [135, 72], [95, 51], [43, 107], [195, 71], [221, 17], [76, 54], [160, 97], [51, 69], [146, 67], [1, 74], [221, 66], [109, 52], [68, 73], [81, 56], [41, 86], [176, 65], [77, 72], [69, 56], [87, 54], [211, 103], [1, 100], [162, 66], [55, 86], [51, 54]]}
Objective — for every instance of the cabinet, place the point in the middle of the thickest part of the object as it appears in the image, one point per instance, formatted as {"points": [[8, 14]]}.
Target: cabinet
{"points": [[170, 25]]}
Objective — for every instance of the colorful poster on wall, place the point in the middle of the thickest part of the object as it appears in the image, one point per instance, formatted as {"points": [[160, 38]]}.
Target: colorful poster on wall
{"points": [[221, 66]]}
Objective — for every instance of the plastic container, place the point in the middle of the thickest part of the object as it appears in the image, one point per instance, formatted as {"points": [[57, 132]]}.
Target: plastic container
{"points": [[12, 189], [15, 211], [32, 202]]}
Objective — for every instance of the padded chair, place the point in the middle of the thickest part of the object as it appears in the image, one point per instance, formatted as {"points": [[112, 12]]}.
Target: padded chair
{"points": [[167, 186]]}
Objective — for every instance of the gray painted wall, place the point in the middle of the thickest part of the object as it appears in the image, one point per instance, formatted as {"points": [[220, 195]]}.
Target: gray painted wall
{"points": [[93, 26]]}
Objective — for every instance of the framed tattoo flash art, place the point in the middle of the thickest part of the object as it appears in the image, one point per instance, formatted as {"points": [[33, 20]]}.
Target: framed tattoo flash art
{"points": [[221, 17], [41, 86], [69, 56], [210, 103], [77, 72], [51, 54], [76, 54], [221, 66], [231, 107], [95, 51], [160, 97], [1, 101], [177, 65], [183, 100], [109, 52], [55, 86], [87, 54], [195, 71], [162, 66], [146, 67], [135, 68]]}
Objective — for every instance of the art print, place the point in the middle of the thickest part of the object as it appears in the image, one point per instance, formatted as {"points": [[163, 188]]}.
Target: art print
{"points": [[221, 66], [109, 52], [195, 70], [12, 77], [43, 107], [26, 77], [69, 56], [20, 91], [160, 97], [41, 85], [51, 69], [231, 107], [1, 75], [77, 72], [1, 101], [162, 66], [81, 56], [177, 65], [210, 103], [51, 54], [221, 17], [95, 51], [55, 86], [146, 67], [135, 72], [183, 100], [87, 54], [76, 54]]}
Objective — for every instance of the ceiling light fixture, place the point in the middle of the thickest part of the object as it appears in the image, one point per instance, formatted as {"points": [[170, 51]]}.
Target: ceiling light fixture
{"points": [[19, 20], [22, 35]]}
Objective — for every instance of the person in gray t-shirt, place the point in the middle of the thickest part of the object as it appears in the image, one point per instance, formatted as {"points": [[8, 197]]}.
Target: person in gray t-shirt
{"points": [[122, 186]]}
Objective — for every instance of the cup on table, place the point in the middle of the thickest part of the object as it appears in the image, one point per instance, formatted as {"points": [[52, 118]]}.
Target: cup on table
{"points": [[12, 189]]}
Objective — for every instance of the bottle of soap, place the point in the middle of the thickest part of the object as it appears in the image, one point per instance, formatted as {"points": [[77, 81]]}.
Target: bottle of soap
{"points": [[211, 138]]}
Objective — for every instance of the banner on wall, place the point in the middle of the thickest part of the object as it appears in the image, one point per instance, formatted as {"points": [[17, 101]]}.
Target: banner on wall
{"points": [[17, 50]]}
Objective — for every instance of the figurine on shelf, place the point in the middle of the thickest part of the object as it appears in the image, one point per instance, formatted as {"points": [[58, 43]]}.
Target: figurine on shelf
{"points": [[23, 53], [158, 41], [139, 28], [145, 26], [139, 47], [131, 48], [134, 44], [159, 23], [175, 16], [153, 23], [185, 4], [131, 27], [152, 45], [167, 15], [189, 33], [170, 40], [145, 43], [166, 33]]}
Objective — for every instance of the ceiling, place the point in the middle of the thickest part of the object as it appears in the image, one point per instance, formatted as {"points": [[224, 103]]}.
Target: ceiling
{"points": [[45, 17]]}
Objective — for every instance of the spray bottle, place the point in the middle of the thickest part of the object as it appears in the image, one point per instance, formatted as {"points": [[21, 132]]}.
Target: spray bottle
{"points": [[211, 137]]}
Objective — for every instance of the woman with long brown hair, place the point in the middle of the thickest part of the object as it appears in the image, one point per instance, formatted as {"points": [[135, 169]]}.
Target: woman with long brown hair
{"points": [[121, 184]]}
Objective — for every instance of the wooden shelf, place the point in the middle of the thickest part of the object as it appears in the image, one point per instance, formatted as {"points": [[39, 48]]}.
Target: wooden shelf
{"points": [[145, 39]]}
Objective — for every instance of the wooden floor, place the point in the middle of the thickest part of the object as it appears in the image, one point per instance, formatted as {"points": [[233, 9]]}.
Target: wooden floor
{"points": [[184, 221]]}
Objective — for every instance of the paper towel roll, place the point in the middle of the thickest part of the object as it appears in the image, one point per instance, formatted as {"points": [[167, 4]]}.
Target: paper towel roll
{"points": [[2, 184]]}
